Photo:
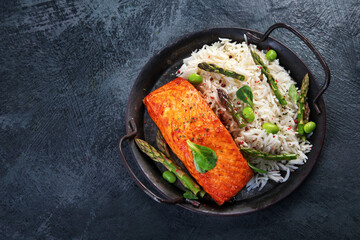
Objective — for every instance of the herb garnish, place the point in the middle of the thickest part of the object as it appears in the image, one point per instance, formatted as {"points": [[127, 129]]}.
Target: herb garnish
{"points": [[256, 169], [245, 95], [293, 94], [189, 195], [204, 158]]}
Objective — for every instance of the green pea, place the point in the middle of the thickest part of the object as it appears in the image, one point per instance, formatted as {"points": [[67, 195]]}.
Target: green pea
{"points": [[309, 127], [270, 128], [248, 114], [195, 79], [169, 176], [271, 55]]}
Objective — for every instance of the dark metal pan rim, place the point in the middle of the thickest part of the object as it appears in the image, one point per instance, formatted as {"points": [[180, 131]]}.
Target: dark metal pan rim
{"points": [[147, 78]]}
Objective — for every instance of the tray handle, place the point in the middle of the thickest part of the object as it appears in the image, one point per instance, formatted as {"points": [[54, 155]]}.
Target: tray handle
{"points": [[256, 40], [137, 180]]}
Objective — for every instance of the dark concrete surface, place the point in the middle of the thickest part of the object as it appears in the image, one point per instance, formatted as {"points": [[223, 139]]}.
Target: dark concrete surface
{"points": [[66, 70]]}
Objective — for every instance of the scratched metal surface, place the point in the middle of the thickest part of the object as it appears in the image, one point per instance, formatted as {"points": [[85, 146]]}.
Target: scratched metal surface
{"points": [[66, 72]]}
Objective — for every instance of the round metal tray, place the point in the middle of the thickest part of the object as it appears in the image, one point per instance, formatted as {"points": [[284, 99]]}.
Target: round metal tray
{"points": [[161, 68]]}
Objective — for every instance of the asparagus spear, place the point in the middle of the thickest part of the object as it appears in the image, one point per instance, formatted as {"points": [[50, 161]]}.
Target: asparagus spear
{"points": [[162, 146], [157, 156], [306, 113], [301, 106], [267, 156], [213, 68], [269, 77], [225, 101]]}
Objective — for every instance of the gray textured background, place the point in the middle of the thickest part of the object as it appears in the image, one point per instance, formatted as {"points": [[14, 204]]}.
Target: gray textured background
{"points": [[66, 72]]}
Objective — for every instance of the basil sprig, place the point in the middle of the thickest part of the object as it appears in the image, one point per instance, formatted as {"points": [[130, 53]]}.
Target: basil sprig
{"points": [[190, 195], [204, 157], [245, 95], [293, 94], [258, 170]]}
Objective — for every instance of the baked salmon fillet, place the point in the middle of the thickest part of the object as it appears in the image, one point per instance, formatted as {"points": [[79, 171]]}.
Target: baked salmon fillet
{"points": [[181, 114]]}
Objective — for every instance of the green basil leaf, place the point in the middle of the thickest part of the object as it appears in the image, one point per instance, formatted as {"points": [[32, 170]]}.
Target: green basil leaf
{"points": [[256, 169], [293, 93], [190, 195], [198, 168], [245, 95], [204, 157]]}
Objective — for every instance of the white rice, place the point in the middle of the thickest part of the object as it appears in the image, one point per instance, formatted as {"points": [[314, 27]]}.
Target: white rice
{"points": [[236, 57]]}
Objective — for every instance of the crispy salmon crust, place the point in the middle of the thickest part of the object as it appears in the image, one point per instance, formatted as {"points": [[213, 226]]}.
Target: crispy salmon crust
{"points": [[181, 114]]}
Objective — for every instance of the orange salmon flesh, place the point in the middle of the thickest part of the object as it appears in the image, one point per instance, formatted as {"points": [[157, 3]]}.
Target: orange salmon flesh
{"points": [[181, 114]]}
